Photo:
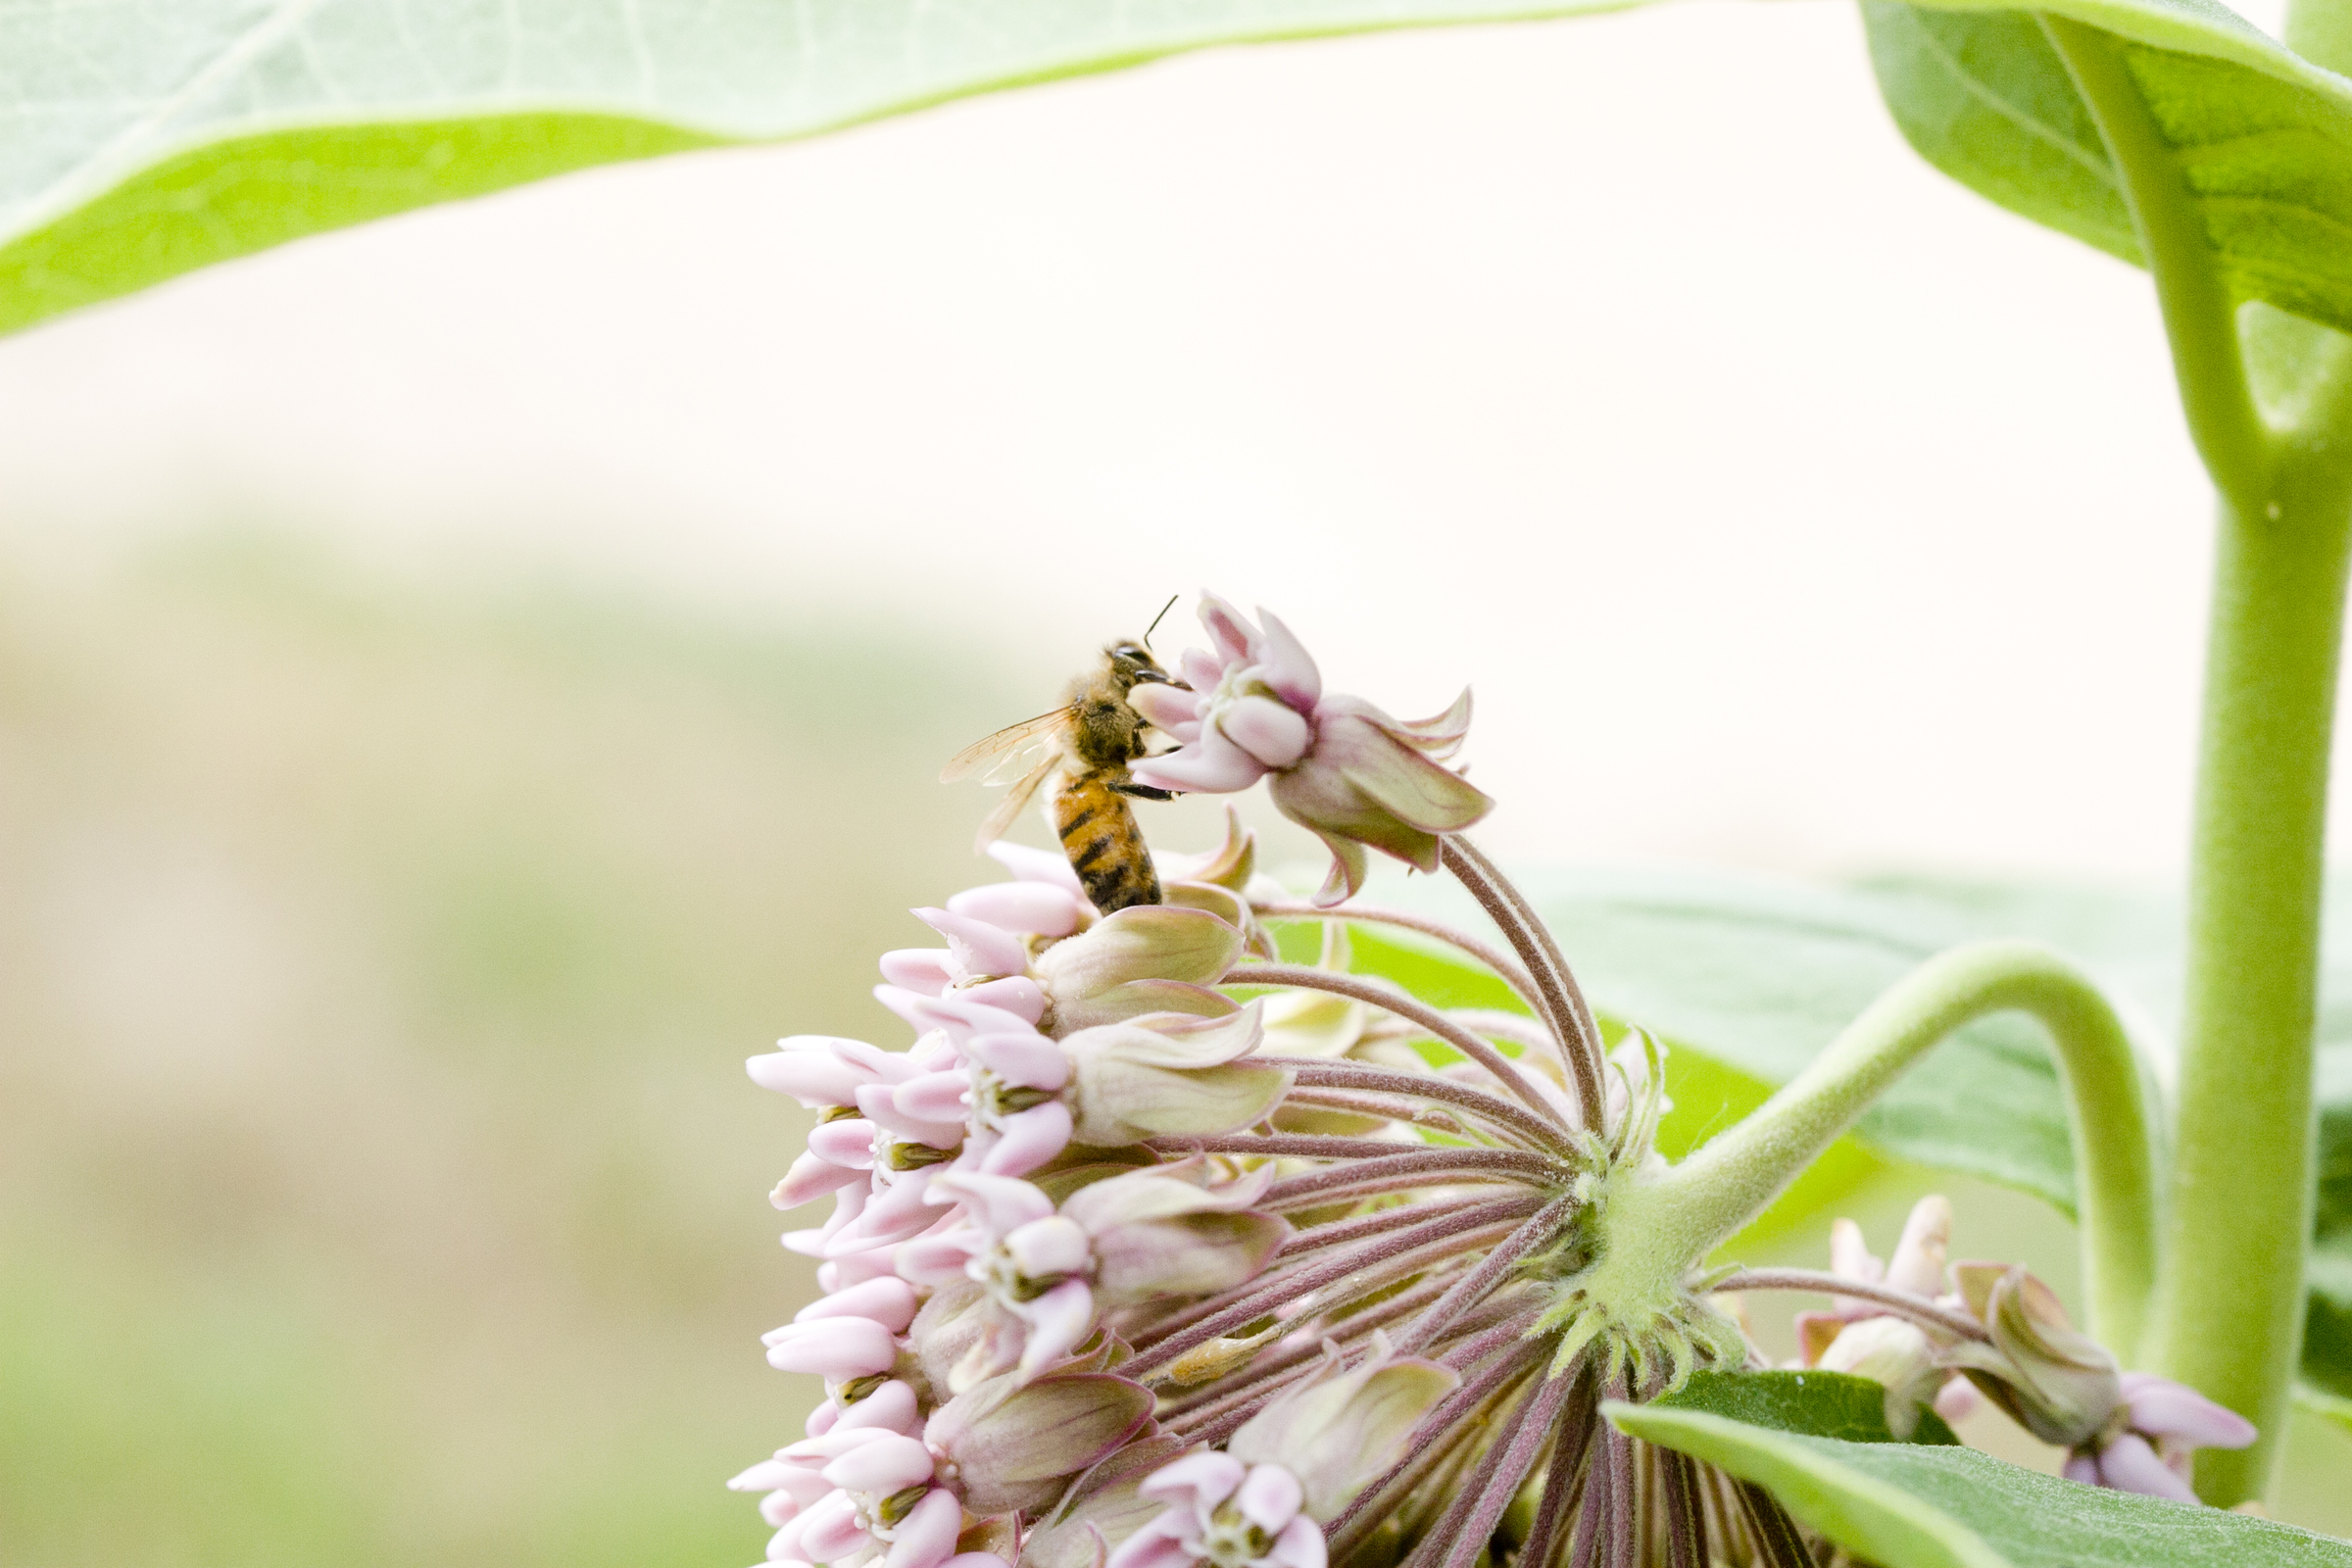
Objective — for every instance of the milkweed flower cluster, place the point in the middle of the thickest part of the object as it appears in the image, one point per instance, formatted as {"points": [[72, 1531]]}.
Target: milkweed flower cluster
{"points": [[1149, 1248]]}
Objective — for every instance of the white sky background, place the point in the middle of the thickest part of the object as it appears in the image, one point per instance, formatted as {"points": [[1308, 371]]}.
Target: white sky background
{"points": [[1787, 504]]}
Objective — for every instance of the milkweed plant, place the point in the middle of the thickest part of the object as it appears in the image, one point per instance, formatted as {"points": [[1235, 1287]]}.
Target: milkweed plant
{"points": [[1221, 1228]]}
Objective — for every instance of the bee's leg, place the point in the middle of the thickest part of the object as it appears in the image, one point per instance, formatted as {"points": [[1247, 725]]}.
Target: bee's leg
{"points": [[1143, 792]]}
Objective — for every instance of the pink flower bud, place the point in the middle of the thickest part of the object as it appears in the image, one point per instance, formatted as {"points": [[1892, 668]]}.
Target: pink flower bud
{"points": [[849, 1142], [1047, 1247], [1919, 1262], [1057, 1321], [1045, 908], [890, 1463], [889, 1302], [1016, 993], [1040, 865], [810, 1178], [765, 1476], [837, 1348], [879, 1105], [820, 1070], [2161, 1408], [926, 1537], [1028, 1140], [1025, 1061], [978, 949], [939, 1098], [926, 972], [2128, 1464]]}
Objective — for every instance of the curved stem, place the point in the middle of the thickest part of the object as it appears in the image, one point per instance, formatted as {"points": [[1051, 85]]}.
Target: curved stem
{"points": [[1571, 1021], [1901, 1302], [2200, 313], [1705, 1200]]}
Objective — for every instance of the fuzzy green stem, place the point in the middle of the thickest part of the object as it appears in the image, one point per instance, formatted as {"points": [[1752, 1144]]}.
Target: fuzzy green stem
{"points": [[2229, 1308], [2229, 1312], [2200, 313], [1703, 1202]]}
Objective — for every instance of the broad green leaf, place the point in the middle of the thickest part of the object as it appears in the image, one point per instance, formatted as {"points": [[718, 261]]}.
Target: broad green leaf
{"points": [[2263, 137], [1818, 1404], [1911, 1505], [137, 141]]}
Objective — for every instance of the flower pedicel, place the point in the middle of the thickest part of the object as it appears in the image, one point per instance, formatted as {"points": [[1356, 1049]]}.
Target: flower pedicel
{"points": [[1123, 1271]]}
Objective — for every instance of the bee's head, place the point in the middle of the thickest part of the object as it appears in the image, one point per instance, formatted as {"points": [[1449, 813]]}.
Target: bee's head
{"points": [[1132, 666]]}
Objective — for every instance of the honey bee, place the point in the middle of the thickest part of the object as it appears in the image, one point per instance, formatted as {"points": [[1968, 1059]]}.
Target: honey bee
{"points": [[1089, 742]]}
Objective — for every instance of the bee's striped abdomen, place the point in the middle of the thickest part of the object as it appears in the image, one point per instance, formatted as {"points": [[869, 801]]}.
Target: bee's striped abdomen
{"points": [[1105, 847]]}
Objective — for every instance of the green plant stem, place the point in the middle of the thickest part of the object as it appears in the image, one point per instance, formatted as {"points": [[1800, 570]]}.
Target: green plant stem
{"points": [[2200, 315], [2229, 1311], [2229, 1304], [1703, 1202]]}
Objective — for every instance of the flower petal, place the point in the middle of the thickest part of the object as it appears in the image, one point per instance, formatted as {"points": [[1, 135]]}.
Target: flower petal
{"points": [[1269, 1497], [810, 1178], [1036, 866], [888, 1300], [2162, 1408], [1273, 735], [1000, 1204], [1057, 1321], [1299, 1546], [1028, 1061], [890, 1463], [1198, 1481], [926, 971], [1045, 908], [2128, 1464], [926, 1537], [1285, 664], [837, 1348], [978, 947], [1029, 1139]]}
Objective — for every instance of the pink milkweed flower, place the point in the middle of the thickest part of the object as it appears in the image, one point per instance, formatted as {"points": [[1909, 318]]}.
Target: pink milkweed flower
{"points": [[2153, 1445], [1342, 769], [1045, 1274], [1225, 1513]]}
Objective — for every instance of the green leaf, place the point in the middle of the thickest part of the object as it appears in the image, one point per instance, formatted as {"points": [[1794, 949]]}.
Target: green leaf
{"points": [[2263, 137], [1909, 1505], [142, 142], [1818, 1404]]}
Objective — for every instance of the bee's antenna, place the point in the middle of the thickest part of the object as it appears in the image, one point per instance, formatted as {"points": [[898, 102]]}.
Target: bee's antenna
{"points": [[1163, 615]]}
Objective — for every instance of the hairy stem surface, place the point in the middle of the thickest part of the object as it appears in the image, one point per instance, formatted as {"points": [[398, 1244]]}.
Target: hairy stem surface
{"points": [[1701, 1203]]}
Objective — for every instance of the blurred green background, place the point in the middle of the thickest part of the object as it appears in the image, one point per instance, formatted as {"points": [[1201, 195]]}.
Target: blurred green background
{"points": [[379, 1180]]}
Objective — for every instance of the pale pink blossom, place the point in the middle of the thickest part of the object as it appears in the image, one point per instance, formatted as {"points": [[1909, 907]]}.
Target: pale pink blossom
{"points": [[1223, 1512], [1342, 769]]}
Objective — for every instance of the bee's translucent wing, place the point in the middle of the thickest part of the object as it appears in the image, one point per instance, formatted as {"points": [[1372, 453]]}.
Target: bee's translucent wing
{"points": [[988, 755], [1010, 805]]}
